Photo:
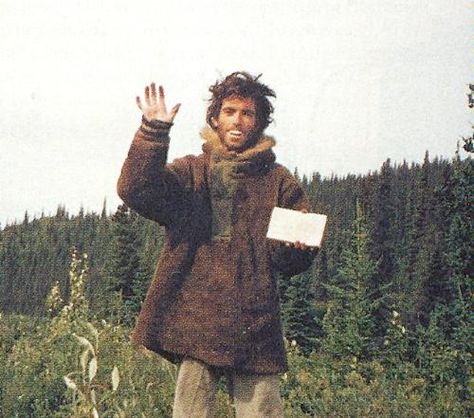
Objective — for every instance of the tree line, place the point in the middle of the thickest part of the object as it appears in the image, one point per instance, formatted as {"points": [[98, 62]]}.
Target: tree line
{"points": [[393, 272]]}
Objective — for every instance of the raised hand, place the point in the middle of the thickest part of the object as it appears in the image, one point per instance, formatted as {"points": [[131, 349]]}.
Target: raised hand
{"points": [[155, 107]]}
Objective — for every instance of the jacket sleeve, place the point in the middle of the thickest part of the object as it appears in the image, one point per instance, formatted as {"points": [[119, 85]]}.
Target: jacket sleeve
{"points": [[289, 260], [147, 184]]}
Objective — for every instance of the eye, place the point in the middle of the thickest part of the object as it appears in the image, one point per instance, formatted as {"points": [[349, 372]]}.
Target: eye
{"points": [[249, 113]]}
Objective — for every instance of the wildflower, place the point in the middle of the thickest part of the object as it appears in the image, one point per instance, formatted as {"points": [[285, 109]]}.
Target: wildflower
{"points": [[70, 383], [115, 378], [293, 343], [395, 314]]}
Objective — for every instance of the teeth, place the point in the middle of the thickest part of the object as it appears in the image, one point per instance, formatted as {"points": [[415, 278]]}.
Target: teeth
{"points": [[235, 133]]}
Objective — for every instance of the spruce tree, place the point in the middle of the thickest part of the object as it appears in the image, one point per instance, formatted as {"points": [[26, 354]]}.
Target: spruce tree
{"points": [[460, 262], [383, 247], [299, 312], [123, 261], [349, 324]]}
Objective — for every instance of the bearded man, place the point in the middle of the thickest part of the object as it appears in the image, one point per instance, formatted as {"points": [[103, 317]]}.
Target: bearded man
{"points": [[213, 305]]}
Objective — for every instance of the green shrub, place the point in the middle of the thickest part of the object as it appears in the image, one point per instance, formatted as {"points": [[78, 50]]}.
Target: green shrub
{"points": [[74, 365], [323, 386]]}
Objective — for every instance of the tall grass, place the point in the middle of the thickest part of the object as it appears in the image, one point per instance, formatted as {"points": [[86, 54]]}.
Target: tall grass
{"points": [[75, 365]]}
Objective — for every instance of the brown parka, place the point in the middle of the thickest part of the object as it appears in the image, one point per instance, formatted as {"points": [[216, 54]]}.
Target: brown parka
{"points": [[214, 295]]}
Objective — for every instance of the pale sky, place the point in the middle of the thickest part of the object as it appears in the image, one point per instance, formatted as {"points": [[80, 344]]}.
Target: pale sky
{"points": [[357, 82]]}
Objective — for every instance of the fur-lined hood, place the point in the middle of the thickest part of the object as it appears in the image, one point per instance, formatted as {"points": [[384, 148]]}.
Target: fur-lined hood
{"points": [[261, 150]]}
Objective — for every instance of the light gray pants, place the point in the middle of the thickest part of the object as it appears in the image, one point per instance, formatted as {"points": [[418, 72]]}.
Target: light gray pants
{"points": [[255, 396]]}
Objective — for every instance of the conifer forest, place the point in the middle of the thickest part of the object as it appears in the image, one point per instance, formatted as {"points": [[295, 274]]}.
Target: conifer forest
{"points": [[381, 325]]}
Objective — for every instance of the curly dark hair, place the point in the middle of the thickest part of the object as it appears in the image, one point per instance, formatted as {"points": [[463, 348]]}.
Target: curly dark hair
{"points": [[242, 84]]}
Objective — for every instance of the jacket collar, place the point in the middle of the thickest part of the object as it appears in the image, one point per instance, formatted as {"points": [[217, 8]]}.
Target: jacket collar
{"points": [[261, 152]]}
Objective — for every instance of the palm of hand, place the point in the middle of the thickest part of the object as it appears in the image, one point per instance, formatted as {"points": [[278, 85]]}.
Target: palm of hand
{"points": [[154, 107]]}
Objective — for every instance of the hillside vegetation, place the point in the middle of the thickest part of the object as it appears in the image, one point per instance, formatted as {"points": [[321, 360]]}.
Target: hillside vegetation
{"points": [[380, 327]]}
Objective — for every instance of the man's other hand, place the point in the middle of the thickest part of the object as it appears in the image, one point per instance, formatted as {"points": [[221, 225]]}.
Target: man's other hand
{"points": [[155, 107], [300, 246]]}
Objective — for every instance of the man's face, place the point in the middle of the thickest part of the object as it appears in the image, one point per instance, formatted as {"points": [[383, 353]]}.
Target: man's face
{"points": [[236, 122]]}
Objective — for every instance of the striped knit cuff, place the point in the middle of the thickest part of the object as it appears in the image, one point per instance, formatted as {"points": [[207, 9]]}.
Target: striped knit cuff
{"points": [[156, 129]]}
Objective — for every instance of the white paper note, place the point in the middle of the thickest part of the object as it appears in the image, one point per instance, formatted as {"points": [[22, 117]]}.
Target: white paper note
{"points": [[292, 225]]}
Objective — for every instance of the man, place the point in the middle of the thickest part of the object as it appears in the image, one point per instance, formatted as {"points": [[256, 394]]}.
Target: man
{"points": [[213, 304]]}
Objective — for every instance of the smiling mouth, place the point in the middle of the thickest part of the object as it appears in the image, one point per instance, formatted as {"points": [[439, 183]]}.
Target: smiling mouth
{"points": [[235, 134]]}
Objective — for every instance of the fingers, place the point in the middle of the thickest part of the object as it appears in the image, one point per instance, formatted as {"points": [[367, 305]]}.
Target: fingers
{"points": [[161, 98], [149, 99], [300, 246], [147, 96], [155, 104], [153, 93], [174, 110], [139, 103]]}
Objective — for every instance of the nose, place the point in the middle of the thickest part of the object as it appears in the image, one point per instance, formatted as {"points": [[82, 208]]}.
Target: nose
{"points": [[237, 118]]}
